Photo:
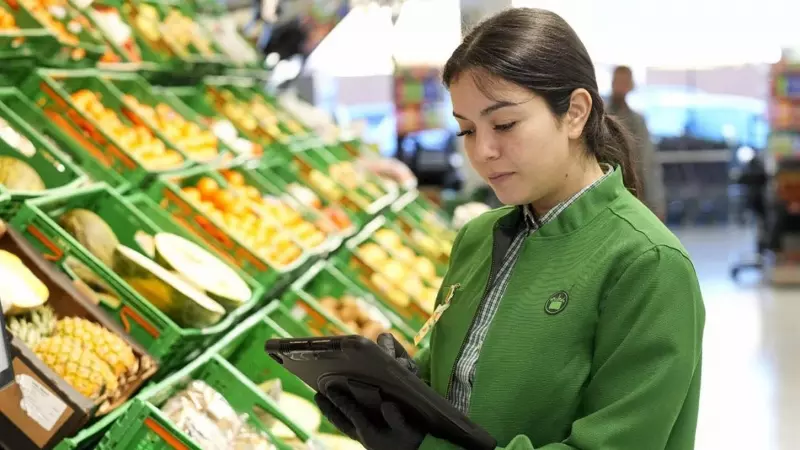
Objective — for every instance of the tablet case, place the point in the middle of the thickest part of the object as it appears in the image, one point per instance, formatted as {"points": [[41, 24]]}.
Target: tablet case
{"points": [[319, 362]]}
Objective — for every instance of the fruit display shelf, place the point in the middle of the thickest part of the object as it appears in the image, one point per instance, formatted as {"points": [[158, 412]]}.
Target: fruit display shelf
{"points": [[93, 234], [171, 121], [382, 261], [61, 324], [243, 348], [231, 403], [330, 304], [233, 124], [18, 40], [169, 37], [365, 194], [84, 108], [30, 164], [73, 41], [424, 224], [226, 213], [286, 178]]}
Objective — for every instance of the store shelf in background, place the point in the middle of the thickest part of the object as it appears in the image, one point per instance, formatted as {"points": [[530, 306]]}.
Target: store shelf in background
{"points": [[286, 179], [243, 348], [223, 229], [73, 41], [162, 336], [169, 37], [145, 426], [331, 304], [381, 261], [21, 429], [363, 193], [172, 122], [86, 111], [423, 224], [20, 139]]}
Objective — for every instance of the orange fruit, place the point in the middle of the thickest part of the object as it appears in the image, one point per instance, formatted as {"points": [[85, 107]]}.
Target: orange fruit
{"points": [[252, 192], [208, 187], [192, 193], [234, 178], [223, 200]]}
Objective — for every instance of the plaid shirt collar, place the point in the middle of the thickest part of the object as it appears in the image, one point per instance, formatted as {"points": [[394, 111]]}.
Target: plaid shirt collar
{"points": [[532, 223]]}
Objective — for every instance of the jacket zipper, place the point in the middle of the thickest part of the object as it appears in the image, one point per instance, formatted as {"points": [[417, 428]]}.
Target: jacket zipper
{"points": [[474, 318]]}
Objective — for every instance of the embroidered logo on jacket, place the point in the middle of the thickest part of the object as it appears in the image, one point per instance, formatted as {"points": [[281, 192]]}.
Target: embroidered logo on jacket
{"points": [[556, 303]]}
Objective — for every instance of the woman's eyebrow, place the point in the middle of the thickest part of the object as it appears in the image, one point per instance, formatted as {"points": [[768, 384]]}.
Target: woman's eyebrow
{"points": [[489, 109]]}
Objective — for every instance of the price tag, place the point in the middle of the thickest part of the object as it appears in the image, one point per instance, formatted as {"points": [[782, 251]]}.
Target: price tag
{"points": [[437, 314]]}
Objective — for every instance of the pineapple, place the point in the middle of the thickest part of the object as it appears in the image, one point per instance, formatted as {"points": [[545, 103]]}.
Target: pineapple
{"points": [[34, 326], [77, 365], [108, 346]]}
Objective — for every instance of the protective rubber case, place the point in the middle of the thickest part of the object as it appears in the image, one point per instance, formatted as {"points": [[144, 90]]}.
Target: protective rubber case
{"points": [[320, 361], [6, 369]]}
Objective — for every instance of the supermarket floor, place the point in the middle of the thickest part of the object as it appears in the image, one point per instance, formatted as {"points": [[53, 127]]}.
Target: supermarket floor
{"points": [[751, 374]]}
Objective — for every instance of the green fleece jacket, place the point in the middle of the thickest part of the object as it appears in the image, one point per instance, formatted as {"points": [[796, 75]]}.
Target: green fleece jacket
{"points": [[612, 365]]}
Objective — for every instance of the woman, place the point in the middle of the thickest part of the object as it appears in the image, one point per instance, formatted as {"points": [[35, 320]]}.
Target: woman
{"points": [[575, 317]]}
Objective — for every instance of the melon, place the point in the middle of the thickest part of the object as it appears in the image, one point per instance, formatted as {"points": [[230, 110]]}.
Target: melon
{"points": [[92, 232], [182, 302], [202, 269], [300, 411], [20, 290], [17, 175]]}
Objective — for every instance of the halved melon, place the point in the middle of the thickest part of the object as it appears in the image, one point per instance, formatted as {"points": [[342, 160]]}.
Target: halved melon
{"points": [[202, 269], [182, 302], [20, 290]]}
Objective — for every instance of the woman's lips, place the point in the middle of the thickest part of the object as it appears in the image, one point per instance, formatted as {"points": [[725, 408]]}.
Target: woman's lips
{"points": [[500, 177]]}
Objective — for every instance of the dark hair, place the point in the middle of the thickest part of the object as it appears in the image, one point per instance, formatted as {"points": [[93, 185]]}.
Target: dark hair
{"points": [[538, 50]]}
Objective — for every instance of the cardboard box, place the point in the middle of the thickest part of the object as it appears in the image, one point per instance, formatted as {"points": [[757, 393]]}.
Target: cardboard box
{"points": [[40, 409]]}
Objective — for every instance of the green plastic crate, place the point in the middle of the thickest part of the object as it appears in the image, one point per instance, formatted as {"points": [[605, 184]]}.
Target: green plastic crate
{"points": [[143, 426], [424, 224], [52, 89], [58, 172], [90, 436], [283, 175], [325, 280], [151, 328], [243, 348], [266, 187], [167, 191], [136, 86], [19, 44], [166, 56], [366, 204], [351, 262], [54, 51]]}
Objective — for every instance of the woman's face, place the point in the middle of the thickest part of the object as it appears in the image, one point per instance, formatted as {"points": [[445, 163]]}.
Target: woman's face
{"points": [[512, 139]]}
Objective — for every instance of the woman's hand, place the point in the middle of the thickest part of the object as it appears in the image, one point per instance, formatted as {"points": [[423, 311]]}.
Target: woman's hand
{"points": [[389, 431], [389, 344]]}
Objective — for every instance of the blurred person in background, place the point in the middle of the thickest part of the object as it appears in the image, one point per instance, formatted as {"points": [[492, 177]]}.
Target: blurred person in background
{"points": [[644, 152]]}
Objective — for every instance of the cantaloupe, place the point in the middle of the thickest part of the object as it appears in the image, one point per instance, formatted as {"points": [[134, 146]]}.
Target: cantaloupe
{"points": [[202, 269], [92, 232], [182, 302], [17, 175]]}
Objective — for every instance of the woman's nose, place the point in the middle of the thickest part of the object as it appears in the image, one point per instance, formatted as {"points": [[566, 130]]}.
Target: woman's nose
{"points": [[486, 147]]}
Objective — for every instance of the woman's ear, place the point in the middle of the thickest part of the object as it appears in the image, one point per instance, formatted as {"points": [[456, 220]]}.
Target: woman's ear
{"points": [[580, 106]]}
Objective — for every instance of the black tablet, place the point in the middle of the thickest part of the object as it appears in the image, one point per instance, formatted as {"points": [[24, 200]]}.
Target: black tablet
{"points": [[6, 369], [316, 361]]}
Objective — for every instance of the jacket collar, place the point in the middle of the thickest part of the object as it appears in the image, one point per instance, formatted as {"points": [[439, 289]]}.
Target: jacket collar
{"points": [[578, 214]]}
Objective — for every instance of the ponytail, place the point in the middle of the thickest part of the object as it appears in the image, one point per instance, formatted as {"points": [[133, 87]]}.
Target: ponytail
{"points": [[615, 147]]}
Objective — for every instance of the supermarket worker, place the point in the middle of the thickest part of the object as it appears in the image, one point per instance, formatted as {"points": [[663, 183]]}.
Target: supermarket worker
{"points": [[573, 318]]}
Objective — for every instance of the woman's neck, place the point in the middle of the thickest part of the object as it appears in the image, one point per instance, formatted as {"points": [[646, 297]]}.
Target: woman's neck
{"points": [[576, 178]]}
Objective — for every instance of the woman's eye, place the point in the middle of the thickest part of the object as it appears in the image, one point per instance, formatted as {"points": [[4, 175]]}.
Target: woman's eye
{"points": [[505, 126], [464, 133]]}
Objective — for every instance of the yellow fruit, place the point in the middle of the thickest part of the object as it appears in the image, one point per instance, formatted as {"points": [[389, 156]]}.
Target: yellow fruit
{"points": [[112, 349], [77, 365], [20, 290]]}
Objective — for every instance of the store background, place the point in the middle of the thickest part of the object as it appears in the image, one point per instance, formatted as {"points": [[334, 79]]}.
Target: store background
{"points": [[704, 70]]}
